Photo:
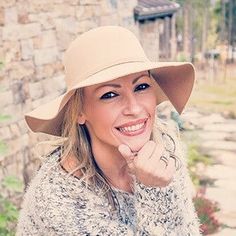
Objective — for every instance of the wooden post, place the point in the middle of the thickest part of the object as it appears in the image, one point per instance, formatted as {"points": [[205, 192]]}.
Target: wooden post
{"points": [[157, 39], [167, 36], [173, 38]]}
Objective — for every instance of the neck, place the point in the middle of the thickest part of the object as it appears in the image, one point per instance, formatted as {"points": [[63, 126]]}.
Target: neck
{"points": [[113, 165]]}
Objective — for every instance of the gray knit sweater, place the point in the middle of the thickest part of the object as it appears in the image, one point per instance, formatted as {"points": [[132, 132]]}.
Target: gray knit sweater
{"points": [[58, 204]]}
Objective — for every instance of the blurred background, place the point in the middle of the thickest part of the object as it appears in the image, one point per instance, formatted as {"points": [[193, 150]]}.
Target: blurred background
{"points": [[33, 37]]}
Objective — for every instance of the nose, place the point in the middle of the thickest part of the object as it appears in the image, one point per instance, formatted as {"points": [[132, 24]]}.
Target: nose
{"points": [[132, 105]]}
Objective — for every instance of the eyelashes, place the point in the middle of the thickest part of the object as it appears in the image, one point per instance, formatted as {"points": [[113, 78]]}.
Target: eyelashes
{"points": [[110, 95]]}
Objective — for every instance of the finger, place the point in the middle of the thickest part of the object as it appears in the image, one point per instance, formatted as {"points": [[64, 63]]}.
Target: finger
{"points": [[154, 160], [129, 157], [125, 151], [146, 151], [127, 154], [168, 169]]}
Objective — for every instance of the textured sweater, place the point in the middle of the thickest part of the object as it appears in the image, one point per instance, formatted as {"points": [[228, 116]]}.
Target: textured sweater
{"points": [[59, 204]]}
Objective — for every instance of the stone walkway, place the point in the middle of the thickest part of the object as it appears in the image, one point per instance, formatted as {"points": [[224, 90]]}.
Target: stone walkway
{"points": [[217, 137]]}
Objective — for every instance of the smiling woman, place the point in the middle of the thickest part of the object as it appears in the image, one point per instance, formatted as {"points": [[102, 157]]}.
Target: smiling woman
{"points": [[119, 170]]}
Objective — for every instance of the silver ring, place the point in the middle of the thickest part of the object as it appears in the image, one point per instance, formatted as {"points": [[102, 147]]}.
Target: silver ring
{"points": [[178, 163], [169, 142], [165, 159]]}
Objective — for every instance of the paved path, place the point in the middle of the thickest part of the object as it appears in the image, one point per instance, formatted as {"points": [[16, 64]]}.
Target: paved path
{"points": [[217, 137]]}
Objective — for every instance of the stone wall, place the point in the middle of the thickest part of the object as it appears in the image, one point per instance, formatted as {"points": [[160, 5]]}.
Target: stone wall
{"points": [[33, 37]]}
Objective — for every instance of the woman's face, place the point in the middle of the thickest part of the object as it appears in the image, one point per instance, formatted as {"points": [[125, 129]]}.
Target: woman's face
{"points": [[120, 111]]}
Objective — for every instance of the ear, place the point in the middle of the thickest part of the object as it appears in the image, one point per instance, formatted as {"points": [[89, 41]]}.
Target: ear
{"points": [[81, 118]]}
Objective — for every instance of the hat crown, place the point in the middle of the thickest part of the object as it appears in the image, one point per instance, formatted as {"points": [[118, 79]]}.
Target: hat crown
{"points": [[98, 49]]}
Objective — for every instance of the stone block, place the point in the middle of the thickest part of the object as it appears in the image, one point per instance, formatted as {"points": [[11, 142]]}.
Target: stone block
{"points": [[5, 85], [63, 10], [64, 39], [15, 131], [2, 16], [5, 133], [44, 71], [89, 2], [23, 12], [14, 111], [23, 18], [6, 98], [105, 8], [11, 16], [16, 32], [15, 145], [48, 86], [46, 55], [60, 82], [46, 19], [84, 12], [109, 19], [45, 99], [36, 6], [7, 3], [11, 51], [68, 24], [36, 90], [53, 85], [48, 70], [23, 126], [59, 1], [20, 70], [86, 25], [45, 40], [27, 49], [19, 91], [72, 2]]}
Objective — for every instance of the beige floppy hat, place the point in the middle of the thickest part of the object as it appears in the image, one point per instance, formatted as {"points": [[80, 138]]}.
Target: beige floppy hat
{"points": [[103, 54]]}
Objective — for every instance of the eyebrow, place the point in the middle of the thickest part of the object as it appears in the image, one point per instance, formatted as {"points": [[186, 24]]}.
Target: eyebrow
{"points": [[118, 86]]}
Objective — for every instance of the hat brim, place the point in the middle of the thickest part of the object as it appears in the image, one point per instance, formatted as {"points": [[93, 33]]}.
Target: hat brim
{"points": [[174, 83]]}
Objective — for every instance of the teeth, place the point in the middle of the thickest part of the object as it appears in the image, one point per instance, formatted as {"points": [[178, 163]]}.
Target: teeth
{"points": [[132, 128]]}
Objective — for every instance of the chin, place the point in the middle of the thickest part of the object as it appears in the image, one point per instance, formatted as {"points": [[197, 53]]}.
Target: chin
{"points": [[136, 145]]}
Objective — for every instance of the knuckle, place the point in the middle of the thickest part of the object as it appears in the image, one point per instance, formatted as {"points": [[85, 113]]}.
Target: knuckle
{"points": [[165, 177]]}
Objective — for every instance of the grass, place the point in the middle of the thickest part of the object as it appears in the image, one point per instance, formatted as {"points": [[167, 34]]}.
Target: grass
{"points": [[215, 97]]}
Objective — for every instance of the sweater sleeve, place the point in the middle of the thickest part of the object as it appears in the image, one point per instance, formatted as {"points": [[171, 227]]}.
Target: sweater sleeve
{"points": [[168, 210]]}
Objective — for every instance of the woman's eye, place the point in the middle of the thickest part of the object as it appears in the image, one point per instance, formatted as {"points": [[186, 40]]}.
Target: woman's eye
{"points": [[142, 87], [108, 95]]}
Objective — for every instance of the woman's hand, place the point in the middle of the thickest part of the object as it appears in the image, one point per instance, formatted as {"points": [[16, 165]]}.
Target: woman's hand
{"points": [[151, 166]]}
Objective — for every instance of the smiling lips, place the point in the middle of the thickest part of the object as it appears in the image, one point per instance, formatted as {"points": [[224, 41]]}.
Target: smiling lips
{"points": [[133, 128]]}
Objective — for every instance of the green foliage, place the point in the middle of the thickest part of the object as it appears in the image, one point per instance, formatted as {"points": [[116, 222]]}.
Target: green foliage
{"points": [[181, 57], [225, 11], [8, 216], [1, 65], [13, 184], [8, 211], [198, 9], [4, 117], [195, 157], [3, 148], [217, 97]]}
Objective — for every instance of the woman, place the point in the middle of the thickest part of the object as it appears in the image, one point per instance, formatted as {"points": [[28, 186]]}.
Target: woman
{"points": [[118, 170]]}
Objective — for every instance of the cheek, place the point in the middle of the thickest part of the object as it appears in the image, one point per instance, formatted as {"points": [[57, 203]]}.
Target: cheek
{"points": [[102, 117], [149, 102]]}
